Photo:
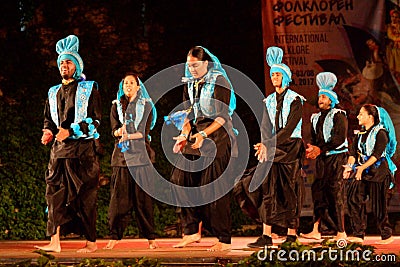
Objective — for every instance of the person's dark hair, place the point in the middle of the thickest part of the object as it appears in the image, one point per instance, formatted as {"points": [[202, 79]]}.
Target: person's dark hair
{"points": [[134, 75], [124, 100], [372, 110], [199, 52]]}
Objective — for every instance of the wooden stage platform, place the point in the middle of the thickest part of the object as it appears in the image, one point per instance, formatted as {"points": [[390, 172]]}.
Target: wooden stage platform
{"points": [[14, 252]]}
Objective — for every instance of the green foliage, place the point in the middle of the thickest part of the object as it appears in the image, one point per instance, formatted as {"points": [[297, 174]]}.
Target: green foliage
{"points": [[22, 204], [164, 216], [46, 260], [102, 210], [239, 220]]}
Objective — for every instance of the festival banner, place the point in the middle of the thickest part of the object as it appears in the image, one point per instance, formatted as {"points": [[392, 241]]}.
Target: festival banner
{"points": [[358, 40]]}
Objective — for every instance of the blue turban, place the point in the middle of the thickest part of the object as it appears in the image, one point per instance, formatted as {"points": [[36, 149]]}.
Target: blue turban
{"points": [[326, 82], [274, 60], [67, 48]]}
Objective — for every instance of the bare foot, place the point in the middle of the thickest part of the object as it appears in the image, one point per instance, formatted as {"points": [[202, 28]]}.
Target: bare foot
{"points": [[220, 247], [197, 241], [188, 239], [89, 247], [385, 241], [312, 235], [52, 247], [111, 244], [275, 236], [199, 232], [340, 235], [153, 244]]}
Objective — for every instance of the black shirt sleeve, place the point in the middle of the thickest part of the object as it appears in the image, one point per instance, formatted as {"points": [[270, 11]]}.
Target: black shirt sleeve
{"points": [[185, 98], [114, 120], [266, 128], [48, 121], [354, 146], [380, 144]]}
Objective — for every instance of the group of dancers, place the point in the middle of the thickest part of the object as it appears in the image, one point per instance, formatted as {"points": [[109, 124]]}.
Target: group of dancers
{"points": [[206, 147]]}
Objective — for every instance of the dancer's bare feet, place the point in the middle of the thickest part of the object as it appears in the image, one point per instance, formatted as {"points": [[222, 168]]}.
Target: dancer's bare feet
{"points": [[220, 247], [385, 241], [52, 247], [188, 239], [89, 247], [197, 241], [111, 244], [340, 235], [199, 232], [312, 235], [275, 236], [153, 244]]}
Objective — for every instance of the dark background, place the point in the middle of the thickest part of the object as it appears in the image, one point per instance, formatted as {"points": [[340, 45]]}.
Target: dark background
{"points": [[144, 36]]}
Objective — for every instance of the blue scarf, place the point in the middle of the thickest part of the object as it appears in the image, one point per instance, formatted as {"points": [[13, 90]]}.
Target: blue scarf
{"points": [[83, 92], [327, 129]]}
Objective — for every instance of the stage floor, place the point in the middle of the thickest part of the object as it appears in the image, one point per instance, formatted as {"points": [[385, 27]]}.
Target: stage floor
{"points": [[193, 255]]}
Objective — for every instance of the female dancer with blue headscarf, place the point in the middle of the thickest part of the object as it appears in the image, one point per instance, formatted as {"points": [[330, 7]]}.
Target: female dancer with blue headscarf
{"points": [[206, 140], [373, 172], [281, 191], [132, 117]]}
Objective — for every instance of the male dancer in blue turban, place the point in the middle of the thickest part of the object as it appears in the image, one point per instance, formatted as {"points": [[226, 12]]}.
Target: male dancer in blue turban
{"points": [[282, 188], [329, 148], [72, 115]]}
